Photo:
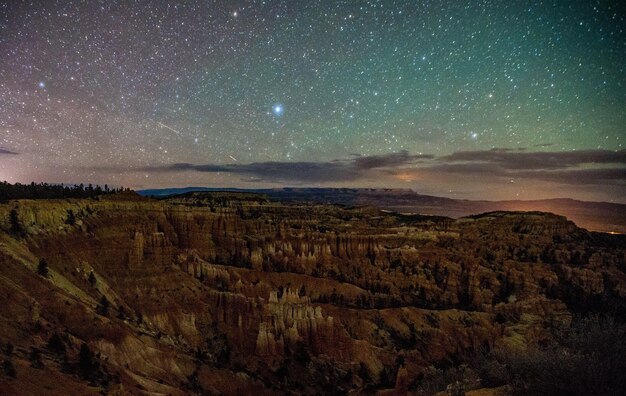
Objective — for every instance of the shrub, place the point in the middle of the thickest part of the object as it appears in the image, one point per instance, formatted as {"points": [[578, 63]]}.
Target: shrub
{"points": [[9, 368], [56, 345], [585, 359], [35, 358], [454, 381], [219, 349], [300, 354], [588, 359], [8, 349]]}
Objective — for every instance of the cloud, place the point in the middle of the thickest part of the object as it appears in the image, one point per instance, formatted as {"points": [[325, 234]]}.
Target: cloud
{"points": [[8, 152], [303, 172], [579, 176], [510, 159], [278, 171], [387, 160], [585, 167]]}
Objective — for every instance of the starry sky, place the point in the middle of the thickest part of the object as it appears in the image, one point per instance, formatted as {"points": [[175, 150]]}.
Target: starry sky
{"points": [[468, 99]]}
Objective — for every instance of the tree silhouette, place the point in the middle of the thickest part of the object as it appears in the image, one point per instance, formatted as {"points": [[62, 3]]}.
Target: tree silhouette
{"points": [[50, 191], [71, 217], [92, 279], [16, 225], [87, 363], [121, 313], [56, 345], [42, 268], [103, 307]]}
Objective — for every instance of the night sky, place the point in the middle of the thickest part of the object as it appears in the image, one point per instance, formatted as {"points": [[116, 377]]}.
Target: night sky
{"points": [[467, 99]]}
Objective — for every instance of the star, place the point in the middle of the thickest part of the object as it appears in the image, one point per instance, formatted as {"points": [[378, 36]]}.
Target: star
{"points": [[41, 84], [278, 109]]}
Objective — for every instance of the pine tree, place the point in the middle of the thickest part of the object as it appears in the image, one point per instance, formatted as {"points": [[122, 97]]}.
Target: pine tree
{"points": [[56, 345], [92, 279], [16, 225], [121, 313], [103, 307], [42, 268], [87, 364], [71, 217]]}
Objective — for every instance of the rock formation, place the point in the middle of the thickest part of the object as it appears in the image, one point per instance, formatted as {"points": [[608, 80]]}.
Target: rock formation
{"points": [[226, 294]]}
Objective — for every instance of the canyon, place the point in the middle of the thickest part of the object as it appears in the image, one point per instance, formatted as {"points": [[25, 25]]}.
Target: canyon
{"points": [[239, 293]]}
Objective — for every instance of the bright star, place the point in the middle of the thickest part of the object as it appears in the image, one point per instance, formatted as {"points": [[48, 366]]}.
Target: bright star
{"points": [[41, 84], [278, 109]]}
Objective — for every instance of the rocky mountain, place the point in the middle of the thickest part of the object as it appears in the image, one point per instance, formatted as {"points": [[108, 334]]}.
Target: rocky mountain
{"points": [[235, 293]]}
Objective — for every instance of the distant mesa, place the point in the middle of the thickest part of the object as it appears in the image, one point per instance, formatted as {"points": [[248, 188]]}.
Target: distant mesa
{"points": [[594, 216]]}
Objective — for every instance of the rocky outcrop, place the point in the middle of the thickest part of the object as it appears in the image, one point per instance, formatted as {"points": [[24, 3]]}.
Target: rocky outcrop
{"points": [[291, 319], [174, 295]]}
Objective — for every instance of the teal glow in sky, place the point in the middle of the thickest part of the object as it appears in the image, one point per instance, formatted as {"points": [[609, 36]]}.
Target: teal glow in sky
{"points": [[154, 94]]}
